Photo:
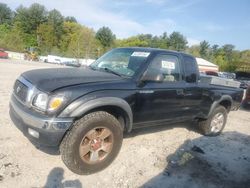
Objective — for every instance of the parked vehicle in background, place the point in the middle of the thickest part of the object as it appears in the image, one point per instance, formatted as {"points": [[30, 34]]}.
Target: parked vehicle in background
{"points": [[3, 54], [244, 83], [72, 63], [58, 61], [43, 59], [246, 100], [244, 79], [228, 75], [53, 59], [209, 73], [86, 111]]}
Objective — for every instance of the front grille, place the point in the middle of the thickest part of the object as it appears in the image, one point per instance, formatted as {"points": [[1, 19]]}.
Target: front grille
{"points": [[21, 90]]}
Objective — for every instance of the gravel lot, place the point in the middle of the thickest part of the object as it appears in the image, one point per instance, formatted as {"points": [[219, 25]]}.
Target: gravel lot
{"points": [[166, 156]]}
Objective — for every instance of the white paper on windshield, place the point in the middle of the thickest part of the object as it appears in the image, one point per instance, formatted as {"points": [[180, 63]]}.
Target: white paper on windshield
{"points": [[167, 65], [140, 54]]}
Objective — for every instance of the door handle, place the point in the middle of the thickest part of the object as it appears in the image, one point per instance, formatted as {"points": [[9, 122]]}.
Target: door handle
{"points": [[179, 92]]}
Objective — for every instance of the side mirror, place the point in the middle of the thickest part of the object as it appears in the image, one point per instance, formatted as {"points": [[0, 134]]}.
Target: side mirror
{"points": [[152, 76]]}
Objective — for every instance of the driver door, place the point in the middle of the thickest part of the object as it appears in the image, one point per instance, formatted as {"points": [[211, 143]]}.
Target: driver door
{"points": [[158, 102]]}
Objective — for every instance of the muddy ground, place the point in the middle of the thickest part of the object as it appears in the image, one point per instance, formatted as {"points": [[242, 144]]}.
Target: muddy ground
{"points": [[167, 156]]}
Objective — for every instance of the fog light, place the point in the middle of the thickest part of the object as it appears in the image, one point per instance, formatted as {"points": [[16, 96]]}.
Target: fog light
{"points": [[33, 133]]}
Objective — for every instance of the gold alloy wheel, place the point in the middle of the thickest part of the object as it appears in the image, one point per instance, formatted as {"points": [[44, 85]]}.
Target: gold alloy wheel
{"points": [[96, 145]]}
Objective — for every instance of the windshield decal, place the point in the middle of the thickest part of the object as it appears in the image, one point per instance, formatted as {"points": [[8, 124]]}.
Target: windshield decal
{"points": [[140, 54]]}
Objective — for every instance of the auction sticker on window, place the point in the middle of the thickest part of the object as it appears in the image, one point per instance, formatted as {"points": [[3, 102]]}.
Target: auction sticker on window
{"points": [[140, 54], [167, 65]]}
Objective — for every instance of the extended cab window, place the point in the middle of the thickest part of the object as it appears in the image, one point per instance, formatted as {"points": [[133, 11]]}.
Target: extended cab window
{"points": [[191, 69], [168, 65]]}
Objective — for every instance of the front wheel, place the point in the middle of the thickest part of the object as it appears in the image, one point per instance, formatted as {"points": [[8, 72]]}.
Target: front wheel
{"points": [[214, 125], [92, 144]]}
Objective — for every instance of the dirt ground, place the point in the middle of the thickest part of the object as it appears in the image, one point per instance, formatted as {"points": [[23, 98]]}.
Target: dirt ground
{"points": [[166, 156]]}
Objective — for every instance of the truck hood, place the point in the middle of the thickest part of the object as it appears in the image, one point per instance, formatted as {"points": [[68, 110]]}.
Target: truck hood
{"points": [[48, 80]]}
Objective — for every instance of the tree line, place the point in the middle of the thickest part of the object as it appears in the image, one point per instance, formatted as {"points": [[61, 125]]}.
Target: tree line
{"points": [[49, 32]]}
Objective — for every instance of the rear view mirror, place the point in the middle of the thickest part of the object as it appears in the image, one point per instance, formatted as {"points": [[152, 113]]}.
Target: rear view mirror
{"points": [[153, 76]]}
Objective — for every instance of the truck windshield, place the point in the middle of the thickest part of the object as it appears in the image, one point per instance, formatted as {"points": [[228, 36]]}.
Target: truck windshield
{"points": [[123, 62]]}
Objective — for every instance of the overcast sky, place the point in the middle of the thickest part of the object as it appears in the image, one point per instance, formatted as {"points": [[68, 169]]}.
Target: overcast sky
{"points": [[217, 21]]}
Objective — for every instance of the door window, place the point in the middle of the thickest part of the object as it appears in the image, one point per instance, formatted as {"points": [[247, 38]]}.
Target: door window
{"points": [[168, 65]]}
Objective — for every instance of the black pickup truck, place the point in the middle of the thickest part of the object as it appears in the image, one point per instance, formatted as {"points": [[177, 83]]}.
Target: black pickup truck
{"points": [[85, 111]]}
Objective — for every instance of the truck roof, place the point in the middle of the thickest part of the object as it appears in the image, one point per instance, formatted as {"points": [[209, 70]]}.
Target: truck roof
{"points": [[148, 49]]}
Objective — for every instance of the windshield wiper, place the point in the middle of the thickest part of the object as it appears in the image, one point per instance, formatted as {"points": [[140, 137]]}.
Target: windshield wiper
{"points": [[92, 68], [111, 71]]}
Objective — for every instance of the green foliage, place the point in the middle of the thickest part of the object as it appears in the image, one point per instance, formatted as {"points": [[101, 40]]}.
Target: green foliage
{"points": [[227, 58], [177, 41], [30, 18], [160, 42], [106, 37], [4, 31], [215, 48], [245, 56], [70, 19], [69, 28], [204, 48], [194, 50], [46, 38], [131, 42], [228, 49], [82, 43], [220, 61], [51, 33], [6, 14], [14, 39], [155, 41], [78, 41], [30, 40], [244, 61], [55, 19], [145, 40]]}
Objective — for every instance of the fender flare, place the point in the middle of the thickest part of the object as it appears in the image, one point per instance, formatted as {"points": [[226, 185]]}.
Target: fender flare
{"points": [[81, 106], [216, 103]]}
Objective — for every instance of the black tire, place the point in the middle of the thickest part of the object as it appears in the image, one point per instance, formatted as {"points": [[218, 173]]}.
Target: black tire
{"points": [[205, 126], [70, 144]]}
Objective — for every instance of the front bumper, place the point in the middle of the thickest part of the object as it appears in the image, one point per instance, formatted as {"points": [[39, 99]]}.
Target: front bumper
{"points": [[37, 127]]}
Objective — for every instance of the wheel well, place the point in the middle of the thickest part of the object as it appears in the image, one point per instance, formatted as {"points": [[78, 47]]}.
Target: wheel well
{"points": [[117, 112], [227, 104]]}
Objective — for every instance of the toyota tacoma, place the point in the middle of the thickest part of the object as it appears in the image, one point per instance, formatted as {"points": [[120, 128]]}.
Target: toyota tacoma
{"points": [[85, 111]]}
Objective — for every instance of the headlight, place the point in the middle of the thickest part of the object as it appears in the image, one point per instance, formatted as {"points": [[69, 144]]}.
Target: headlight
{"points": [[40, 101], [55, 103], [47, 103]]}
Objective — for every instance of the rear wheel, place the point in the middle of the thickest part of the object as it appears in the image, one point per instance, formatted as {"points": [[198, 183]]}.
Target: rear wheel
{"points": [[92, 144], [214, 125]]}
